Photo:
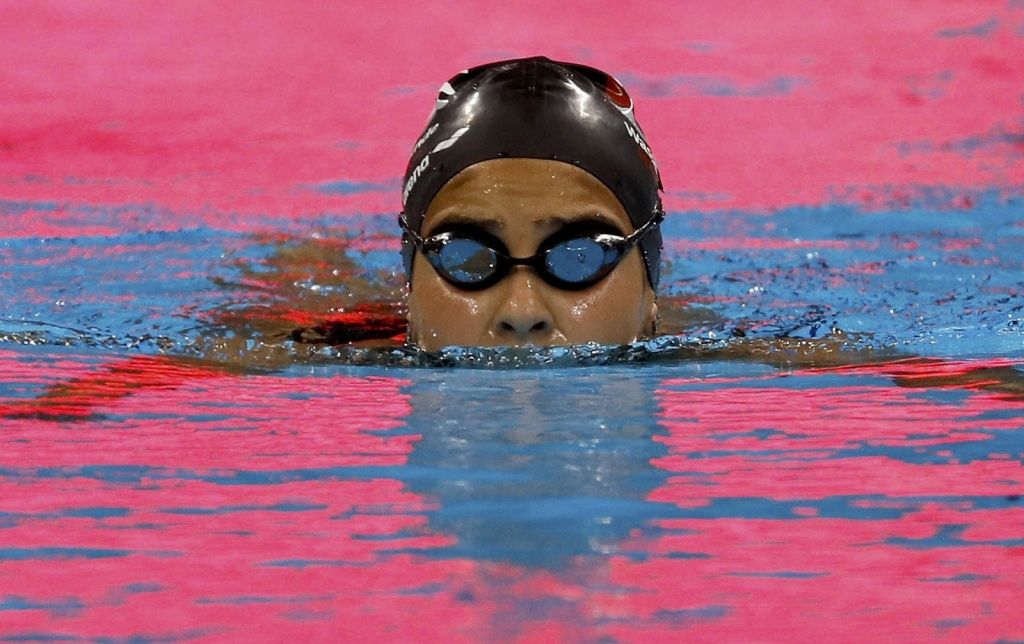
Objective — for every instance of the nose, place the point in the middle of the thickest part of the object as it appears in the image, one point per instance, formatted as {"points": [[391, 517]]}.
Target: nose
{"points": [[523, 317]]}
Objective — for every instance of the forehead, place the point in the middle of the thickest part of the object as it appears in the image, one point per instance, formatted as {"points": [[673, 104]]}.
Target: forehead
{"points": [[510, 193]]}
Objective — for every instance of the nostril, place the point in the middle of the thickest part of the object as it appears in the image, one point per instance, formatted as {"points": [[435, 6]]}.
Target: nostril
{"points": [[524, 328]]}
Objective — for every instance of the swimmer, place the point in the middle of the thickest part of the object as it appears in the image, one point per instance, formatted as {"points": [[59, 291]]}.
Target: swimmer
{"points": [[531, 212]]}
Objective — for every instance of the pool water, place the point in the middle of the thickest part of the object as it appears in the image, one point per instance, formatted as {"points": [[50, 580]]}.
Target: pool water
{"points": [[147, 499], [210, 430]]}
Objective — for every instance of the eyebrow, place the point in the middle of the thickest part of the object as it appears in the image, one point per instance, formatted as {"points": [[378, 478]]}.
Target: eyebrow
{"points": [[460, 219], [553, 223]]}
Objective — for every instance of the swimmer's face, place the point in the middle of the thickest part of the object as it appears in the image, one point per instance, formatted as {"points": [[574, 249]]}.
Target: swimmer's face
{"points": [[522, 202]]}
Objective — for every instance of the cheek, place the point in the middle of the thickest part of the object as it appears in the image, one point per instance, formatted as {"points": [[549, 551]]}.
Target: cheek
{"points": [[440, 316], [613, 312]]}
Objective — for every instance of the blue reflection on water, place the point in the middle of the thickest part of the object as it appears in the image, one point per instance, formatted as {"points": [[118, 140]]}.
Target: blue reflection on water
{"points": [[928, 280]]}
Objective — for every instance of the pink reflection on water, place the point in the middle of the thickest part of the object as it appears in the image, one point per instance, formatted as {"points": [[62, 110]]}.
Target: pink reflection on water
{"points": [[155, 498], [211, 110], [941, 567], [151, 497]]}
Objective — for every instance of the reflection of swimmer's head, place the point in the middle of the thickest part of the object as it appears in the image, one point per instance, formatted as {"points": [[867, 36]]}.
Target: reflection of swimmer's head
{"points": [[536, 468], [524, 197]]}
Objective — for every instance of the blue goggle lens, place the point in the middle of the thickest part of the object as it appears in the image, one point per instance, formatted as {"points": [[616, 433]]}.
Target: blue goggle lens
{"points": [[465, 261], [578, 261]]}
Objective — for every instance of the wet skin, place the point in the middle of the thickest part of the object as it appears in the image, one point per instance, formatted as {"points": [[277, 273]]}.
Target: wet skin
{"points": [[522, 202]]}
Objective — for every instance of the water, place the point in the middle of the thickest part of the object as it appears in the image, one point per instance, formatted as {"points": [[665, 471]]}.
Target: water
{"points": [[210, 430], [147, 497]]}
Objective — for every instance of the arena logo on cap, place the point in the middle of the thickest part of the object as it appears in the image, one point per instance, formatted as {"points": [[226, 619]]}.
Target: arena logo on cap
{"points": [[424, 163], [414, 177], [450, 141]]}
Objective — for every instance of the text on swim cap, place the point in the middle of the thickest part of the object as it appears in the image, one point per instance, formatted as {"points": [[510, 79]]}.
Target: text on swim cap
{"points": [[426, 135], [425, 162], [416, 172], [639, 139]]}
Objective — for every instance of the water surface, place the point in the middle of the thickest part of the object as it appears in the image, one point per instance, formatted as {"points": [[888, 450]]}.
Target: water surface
{"points": [[211, 432]]}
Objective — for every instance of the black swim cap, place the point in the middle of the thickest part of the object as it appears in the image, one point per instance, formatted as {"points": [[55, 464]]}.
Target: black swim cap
{"points": [[536, 108]]}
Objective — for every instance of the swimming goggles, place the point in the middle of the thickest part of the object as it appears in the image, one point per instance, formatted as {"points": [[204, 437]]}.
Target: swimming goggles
{"points": [[572, 259]]}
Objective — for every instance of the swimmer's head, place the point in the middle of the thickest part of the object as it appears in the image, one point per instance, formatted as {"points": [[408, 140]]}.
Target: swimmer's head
{"points": [[535, 108], [521, 159]]}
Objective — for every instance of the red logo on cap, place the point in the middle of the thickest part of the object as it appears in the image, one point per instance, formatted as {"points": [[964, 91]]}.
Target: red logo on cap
{"points": [[617, 93]]}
